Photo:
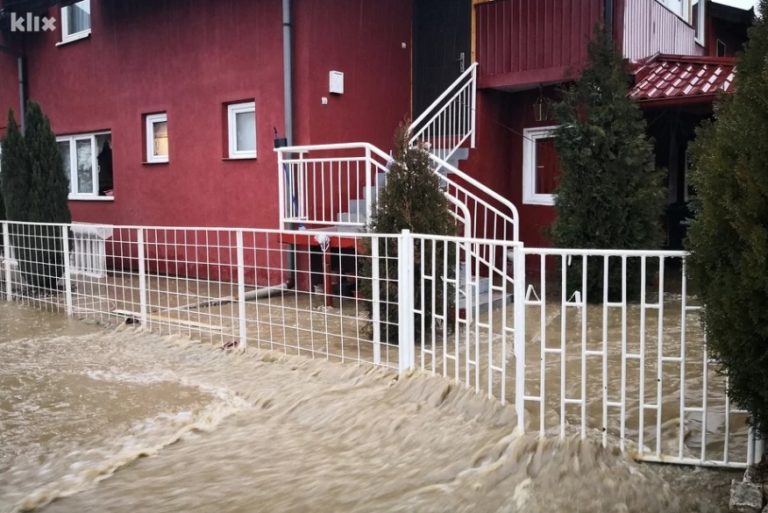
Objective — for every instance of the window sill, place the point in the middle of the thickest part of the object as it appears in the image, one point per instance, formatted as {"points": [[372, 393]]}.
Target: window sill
{"points": [[85, 34], [541, 200], [155, 163], [85, 197], [235, 159]]}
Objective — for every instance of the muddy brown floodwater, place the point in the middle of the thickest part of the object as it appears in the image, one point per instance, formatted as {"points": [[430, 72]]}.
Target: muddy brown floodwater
{"points": [[123, 421]]}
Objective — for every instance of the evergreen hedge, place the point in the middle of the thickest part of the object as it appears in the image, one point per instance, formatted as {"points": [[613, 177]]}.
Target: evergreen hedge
{"points": [[35, 189], [610, 196], [728, 238]]}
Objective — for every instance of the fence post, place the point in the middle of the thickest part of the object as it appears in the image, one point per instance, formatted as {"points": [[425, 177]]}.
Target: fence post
{"points": [[7, 259], [67, 268], [241, 290], [405, 291], [142, 278], [375, 301], [519, 306]]}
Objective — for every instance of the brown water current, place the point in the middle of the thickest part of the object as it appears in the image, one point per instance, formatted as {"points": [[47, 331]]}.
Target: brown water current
{"points": [[121, 420]]}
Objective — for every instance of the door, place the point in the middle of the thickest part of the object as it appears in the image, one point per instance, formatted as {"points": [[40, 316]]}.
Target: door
{"points": [[441, 47]]}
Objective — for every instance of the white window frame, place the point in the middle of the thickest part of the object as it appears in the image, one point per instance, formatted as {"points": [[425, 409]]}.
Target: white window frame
{"points": [[530, 136], [232, 111], [700, 23], [66, 37], [74, 192], [150, 121]]}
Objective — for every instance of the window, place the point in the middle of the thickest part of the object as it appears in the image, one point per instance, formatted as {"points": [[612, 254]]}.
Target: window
{"points": [[541, 166], [698, 20], [76, 21], [157, 138], [722, 48], [87, 162], [241, 121]]}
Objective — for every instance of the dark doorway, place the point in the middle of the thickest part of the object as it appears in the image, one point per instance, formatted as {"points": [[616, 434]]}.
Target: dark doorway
{"points": [[441, 47]]}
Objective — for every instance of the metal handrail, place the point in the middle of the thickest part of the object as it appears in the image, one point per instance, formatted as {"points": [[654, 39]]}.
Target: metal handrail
{"points": [[470, 71]]}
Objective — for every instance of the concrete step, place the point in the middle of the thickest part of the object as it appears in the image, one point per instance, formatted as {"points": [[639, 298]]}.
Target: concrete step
{"points": [[350, 217], [480, 285], [459, 155]]}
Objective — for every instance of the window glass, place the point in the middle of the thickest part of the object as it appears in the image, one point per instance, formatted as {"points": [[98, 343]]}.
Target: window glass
{"points": [[160, 137], [67, 160], [84, 166], [547, 166], [245, 123]]}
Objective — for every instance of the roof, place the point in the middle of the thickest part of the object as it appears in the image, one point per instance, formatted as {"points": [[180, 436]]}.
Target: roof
{"points": [[678, 79]]}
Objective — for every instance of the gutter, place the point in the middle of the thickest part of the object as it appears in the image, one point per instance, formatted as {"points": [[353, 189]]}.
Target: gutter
{"points": [[608, 18]]}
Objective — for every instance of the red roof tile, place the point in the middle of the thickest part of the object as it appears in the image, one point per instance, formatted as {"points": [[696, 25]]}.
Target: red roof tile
{"points": [[690, 78]]}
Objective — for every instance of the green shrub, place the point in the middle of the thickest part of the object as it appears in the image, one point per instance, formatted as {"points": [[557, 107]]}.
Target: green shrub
{"points": [[728, 238], [410, 200], [610, 195], [35, 189]]}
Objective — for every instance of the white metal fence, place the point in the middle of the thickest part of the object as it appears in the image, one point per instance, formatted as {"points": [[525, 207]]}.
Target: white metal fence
{"points": [[605, 344]]}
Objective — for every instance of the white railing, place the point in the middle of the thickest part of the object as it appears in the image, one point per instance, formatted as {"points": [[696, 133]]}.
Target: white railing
{"points": [[338, 185], [493, 216], [607, 344], [450, 121], [329, 184]]}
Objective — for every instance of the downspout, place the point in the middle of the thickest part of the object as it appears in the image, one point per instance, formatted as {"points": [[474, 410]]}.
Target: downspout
{"points": [[287, 72], [288, 114], [608, 18]]}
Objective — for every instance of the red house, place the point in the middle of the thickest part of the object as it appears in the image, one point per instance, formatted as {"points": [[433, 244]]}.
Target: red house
{"points": [[167, 113]]}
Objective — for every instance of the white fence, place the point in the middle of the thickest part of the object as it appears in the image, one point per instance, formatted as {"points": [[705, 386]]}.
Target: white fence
{"points": [[603, 344]]}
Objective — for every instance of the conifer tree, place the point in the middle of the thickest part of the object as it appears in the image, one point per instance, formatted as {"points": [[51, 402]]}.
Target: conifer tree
{"points": [[609, 195], [35, 189], [410, 200], [14, 178], [728, 238]]}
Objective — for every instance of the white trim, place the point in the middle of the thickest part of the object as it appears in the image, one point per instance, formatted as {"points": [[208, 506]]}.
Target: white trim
{"points": [[530, 136], [232, 111], [75, 36], [149, 123]]}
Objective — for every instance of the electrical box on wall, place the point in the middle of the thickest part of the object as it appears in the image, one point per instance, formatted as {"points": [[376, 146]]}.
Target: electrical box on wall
{"points": [[336, 82]]}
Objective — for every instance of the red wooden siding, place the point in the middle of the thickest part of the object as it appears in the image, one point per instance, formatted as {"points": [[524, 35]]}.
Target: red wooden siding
{"points": [[527, 42], [650, 28]]}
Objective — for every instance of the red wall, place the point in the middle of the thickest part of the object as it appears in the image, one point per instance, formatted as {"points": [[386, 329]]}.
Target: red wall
{"points": [[364, 39], [188, 58], [9, 88], [498, 159], [527, 42]]}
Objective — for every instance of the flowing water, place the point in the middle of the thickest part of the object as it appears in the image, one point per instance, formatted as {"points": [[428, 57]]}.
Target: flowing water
{"points": [[121, 420]]}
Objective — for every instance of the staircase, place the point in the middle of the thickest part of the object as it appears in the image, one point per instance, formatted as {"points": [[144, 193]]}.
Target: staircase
{"points": [[320, 186]]}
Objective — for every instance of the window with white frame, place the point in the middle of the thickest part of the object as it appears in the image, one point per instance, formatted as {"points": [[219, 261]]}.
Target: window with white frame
{"points": [[87, 162], [156, 128], [541, 166], [76, 21], [241, 123]]}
